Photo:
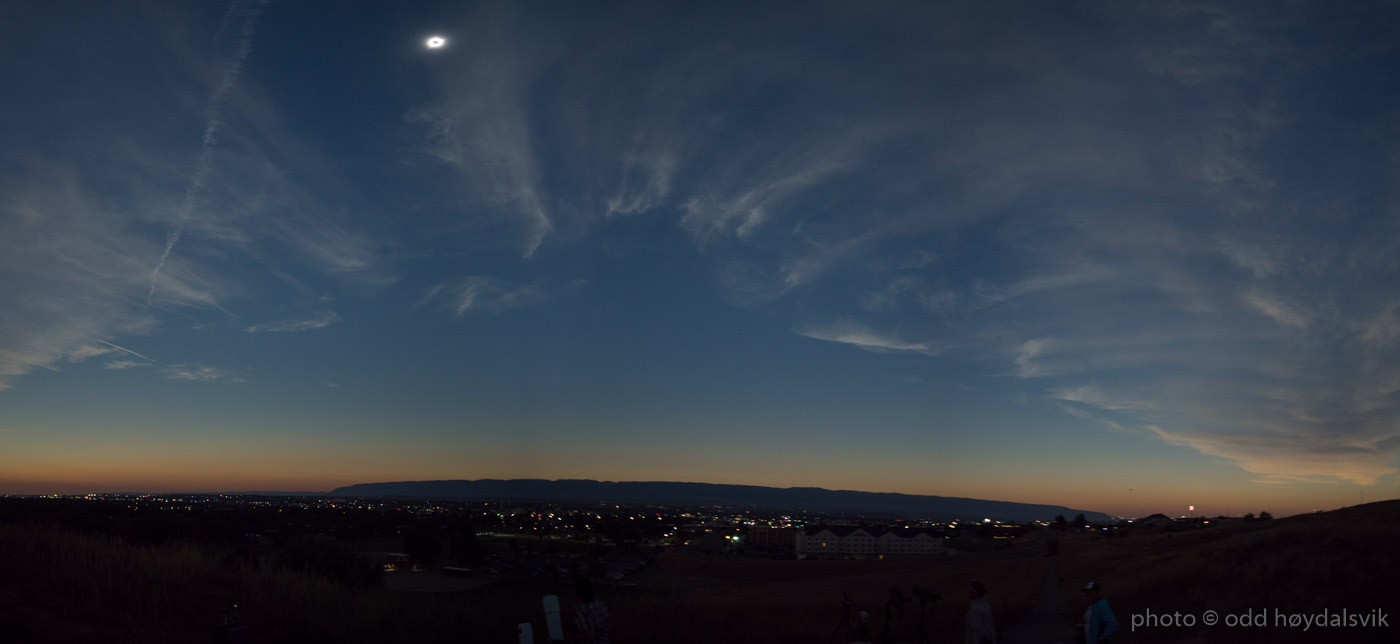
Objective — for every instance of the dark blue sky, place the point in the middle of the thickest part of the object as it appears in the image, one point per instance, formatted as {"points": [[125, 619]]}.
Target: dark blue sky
{"points": [[1045, 252]]}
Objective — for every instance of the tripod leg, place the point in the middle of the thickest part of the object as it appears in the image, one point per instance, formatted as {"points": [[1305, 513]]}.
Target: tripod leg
{"points": [[845, 622]]}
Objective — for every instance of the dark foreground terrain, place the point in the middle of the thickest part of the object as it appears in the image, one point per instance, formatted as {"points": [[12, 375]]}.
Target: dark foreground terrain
{"points": [[65, 583]]}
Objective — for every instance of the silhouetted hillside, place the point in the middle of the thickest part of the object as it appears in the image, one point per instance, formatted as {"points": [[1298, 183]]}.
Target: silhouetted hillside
{"points": [[61, 584], [1274, 572], [671, 493]]}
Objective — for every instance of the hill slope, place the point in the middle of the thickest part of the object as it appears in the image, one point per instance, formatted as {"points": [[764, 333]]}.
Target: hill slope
{"points": [[1329, 563], [671, 493]]}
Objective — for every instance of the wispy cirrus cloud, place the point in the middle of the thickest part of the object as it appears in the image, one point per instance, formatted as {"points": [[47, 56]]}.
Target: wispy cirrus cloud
{"points": [[1277, 309], [1328, 425], [74, 272], [118, 365], [1072, 244], [333, 248], [319, 321], [1379, 329], [240, 22], [479, 293], [1133, 214], [85, 351], [868, 340], [199, 373], [645, 183], [126, 351], [483, 129], [747, 202], [1028, 353], [1094, 396], [1305, 456], [81, 211]]}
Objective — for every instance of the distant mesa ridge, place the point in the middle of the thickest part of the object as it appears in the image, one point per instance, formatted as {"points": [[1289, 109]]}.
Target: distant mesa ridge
{"points": [[672, 493]]}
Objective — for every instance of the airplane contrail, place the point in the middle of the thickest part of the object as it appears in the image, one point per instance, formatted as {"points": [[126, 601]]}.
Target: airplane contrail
{"points": [[119, 348], [233, 67]]}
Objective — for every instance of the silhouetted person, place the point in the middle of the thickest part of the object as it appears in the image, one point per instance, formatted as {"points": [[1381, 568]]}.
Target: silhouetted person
{"points": [[591, 616], [1099, 623], [894, 606], [978, 627], [862, 634]]}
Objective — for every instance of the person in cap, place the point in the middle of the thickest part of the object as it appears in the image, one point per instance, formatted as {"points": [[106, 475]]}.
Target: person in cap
{"points": [[978, 627], [1099, 623]]}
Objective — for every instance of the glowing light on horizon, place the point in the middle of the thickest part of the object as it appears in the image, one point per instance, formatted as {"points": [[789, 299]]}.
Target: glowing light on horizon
{"points": [[435, 42]]}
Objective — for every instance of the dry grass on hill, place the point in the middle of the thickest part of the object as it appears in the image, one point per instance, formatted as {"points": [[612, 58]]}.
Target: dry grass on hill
{"points": [[1345, 559], [801, 601]]}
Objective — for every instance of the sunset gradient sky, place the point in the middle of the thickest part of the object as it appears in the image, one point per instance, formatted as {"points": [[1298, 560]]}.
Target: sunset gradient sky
{"points": [[1119, 256]]}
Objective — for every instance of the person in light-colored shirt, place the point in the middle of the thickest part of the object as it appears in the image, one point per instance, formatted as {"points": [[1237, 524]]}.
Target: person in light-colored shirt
{"points": [[1099, 623], [978, 626]]}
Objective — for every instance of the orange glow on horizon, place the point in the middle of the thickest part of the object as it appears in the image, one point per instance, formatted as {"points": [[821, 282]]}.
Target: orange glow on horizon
{"points": [[240, 468]]}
